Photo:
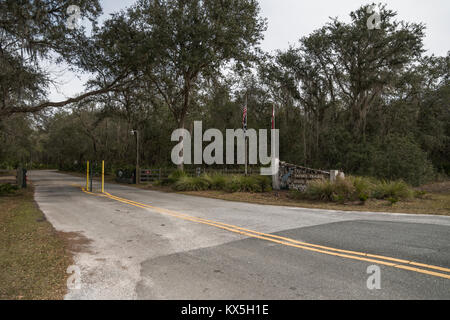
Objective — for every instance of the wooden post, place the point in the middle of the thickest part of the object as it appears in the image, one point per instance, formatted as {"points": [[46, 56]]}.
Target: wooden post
{"points": [[91, 177], [138, 170], [87, 176]]}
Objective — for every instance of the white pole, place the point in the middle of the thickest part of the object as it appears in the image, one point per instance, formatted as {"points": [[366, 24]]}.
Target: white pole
{"points": [[245, 131]]}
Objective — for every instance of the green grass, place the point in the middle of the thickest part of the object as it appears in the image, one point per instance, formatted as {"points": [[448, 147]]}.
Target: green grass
{"points": [[33, 256]]}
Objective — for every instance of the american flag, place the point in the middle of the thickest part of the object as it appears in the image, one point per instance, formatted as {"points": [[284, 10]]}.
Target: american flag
{"points": [[244, 118]]}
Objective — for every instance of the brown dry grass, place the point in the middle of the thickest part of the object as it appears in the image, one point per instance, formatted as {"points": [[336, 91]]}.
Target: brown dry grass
{"points": [[33, 256], [435, 203]]}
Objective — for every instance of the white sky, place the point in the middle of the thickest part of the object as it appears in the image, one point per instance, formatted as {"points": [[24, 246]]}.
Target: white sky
{"points": [[289, 20]]}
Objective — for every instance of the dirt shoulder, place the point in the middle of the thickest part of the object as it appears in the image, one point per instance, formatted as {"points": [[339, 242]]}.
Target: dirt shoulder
{"points": [[33, 256], [432, 203]]}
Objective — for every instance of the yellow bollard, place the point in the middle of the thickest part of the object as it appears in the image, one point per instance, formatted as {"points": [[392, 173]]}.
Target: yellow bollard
{"points": [[103, 176], [87, 177]]}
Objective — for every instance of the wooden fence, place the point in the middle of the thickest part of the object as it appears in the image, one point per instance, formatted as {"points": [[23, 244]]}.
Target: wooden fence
{"points": [[15, 177], [154, 174], [291, 176]]}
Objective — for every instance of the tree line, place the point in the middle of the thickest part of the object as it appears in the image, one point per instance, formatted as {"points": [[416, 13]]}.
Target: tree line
{"points": [[368, 102]]}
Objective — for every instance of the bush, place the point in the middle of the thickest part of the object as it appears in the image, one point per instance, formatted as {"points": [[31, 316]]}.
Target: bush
{"points": [[232, 184], [250, 184], [355, 188], [175, 176], [7, 189], [319, 190], [180, 181], [216, 181], [363, 187], [392, 190], [339, 191], [185, 183], [265, 182]]}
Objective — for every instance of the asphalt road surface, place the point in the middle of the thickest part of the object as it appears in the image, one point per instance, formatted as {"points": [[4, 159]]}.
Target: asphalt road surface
{"points": [[139, 244]]}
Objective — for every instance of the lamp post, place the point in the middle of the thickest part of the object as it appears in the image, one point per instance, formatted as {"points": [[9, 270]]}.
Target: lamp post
{"points": [[136, 133]]}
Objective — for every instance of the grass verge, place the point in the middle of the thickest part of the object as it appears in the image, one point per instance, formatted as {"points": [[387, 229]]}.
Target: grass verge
{"points": [[33, 256]]}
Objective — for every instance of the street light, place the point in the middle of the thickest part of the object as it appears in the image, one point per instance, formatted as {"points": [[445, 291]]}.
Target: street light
{"points": [[136, 132]]}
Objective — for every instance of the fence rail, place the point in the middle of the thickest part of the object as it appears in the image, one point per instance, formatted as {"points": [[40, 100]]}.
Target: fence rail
{"points": [[291, 176], [154, 174]]}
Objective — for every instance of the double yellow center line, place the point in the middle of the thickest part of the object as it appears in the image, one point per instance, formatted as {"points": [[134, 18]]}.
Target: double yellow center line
{"points": [[367, 257]]}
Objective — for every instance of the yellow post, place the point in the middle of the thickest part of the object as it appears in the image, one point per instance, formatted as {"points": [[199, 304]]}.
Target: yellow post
{"points": [[87, 177], [103, 176]]}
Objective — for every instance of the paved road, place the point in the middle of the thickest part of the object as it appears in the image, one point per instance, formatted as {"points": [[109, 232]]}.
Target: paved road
{"points": [[147, 249]]}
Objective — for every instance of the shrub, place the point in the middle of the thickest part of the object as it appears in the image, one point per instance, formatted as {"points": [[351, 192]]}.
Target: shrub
{"points": [[7, 189], [175, 176], [319, 190], [363, 187], [355, 188], [265, 182], [232, 184], [344, 190], [185, 183], [250, 184], [182, 182], [217, 181], [392, 189]]}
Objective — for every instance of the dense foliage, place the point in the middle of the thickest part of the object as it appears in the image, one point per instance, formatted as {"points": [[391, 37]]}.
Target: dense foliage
{"points": [[368, 102]]}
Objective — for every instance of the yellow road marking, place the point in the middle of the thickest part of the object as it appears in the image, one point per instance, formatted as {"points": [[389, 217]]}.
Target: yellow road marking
{"points": [[399, 263], [283, 238]]}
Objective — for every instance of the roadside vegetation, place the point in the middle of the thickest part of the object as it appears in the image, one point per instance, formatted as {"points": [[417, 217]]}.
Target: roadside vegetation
{"points": [[437, 203], [33, 256], [352, 194], [349, 194], [356, 189], [180, 181], [7, 188]]}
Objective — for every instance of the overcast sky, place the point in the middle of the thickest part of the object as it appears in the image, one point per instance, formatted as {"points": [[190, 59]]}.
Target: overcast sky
{"points": [[289, 20]]}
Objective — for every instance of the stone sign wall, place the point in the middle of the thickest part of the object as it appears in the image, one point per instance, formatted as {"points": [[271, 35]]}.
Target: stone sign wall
{"points": [[294, 177]]}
